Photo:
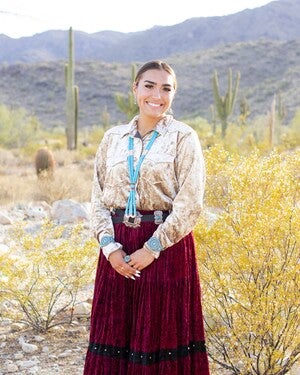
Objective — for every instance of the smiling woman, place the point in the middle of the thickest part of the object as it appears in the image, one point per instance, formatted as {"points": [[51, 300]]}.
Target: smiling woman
{"points": [[147, 197]]}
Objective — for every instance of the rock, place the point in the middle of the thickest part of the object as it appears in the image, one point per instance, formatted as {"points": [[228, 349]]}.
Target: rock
{"points": [[65, 354], [27, 364], [37, 210], [34, 370], [19, 355], [4, 219], [38, 338], [46, 349], [12, 368], [83, 309], [27, 347], [33, 228], [68, 211], [3, 249], [16, 327]]}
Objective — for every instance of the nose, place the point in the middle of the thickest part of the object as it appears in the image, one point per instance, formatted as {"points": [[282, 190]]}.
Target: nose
{"points": [[156, 92]]}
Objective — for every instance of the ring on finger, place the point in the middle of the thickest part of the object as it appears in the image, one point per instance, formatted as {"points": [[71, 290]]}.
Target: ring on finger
{"points": [[127, 258]]}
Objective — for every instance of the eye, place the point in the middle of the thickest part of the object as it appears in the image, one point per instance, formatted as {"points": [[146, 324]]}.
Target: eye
{"points": [[148, 85], [167, 89]]}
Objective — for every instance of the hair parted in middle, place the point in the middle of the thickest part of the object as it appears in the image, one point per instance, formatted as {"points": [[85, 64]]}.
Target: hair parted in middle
{"points": [[158, 65]]}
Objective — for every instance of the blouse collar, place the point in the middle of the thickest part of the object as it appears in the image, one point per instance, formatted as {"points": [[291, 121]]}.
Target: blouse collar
{"points": [[161, 126]]}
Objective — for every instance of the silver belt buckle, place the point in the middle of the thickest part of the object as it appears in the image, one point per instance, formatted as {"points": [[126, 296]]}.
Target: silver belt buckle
{"points": [[133, 221], [158, 217]]}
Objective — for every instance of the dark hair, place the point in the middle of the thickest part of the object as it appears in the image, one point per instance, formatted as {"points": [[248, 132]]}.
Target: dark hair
{"points": [[156, 64]]}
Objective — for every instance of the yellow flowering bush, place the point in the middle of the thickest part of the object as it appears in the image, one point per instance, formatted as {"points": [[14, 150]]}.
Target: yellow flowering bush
{"points": [[41, 278], [249, 259]]}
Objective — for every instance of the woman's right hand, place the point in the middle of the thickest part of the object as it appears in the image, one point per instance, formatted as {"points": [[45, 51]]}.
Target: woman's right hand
{"points": [[116, 259]]}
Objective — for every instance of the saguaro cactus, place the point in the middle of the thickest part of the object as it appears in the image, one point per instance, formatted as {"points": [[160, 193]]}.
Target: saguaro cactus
{"points": [[281, 108], [272, 122], [71, 97], [127, 104], [225, 104], [244, 110]]}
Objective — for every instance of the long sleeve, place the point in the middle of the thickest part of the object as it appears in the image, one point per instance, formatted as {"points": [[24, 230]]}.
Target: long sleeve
{"points": [[188, 202], [101, 216]]}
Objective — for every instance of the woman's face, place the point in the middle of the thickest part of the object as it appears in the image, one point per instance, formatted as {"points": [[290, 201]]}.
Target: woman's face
{"points": [[154, 93]]}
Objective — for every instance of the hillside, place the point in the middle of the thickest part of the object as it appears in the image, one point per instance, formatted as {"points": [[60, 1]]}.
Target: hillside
{"points": [[267, 67], [279, 20]]}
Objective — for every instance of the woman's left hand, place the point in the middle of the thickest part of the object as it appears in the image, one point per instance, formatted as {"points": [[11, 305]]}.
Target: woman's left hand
{"points": [[140, 259]]}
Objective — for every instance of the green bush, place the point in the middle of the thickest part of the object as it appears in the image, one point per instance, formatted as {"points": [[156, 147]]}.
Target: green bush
{"points": [[17, 128]]}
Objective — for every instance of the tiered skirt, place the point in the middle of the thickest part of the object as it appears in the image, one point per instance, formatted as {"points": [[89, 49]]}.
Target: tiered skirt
{"points": [[152, 325]]}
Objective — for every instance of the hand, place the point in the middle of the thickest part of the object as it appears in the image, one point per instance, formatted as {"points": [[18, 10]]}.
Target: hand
{"points": [[140, 259], [116, 260]]}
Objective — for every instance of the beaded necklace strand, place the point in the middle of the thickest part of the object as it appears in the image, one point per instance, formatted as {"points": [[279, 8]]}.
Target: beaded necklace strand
{"points": [[130, 209]]}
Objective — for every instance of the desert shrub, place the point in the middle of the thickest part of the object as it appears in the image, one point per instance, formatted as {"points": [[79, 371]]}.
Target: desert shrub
{"points": [[72, 181], [42, 276], [95, 135], [290, 137], [250, 261], [250, 136], [17, 127]]}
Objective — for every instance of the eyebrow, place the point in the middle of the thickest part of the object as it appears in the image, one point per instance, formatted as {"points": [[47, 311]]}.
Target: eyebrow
{"points": [[154, 83]]}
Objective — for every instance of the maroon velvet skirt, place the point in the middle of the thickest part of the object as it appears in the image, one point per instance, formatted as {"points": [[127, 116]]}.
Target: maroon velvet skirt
{"points": [[152, 325]]}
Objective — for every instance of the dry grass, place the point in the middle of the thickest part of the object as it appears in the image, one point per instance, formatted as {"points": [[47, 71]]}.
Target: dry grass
{"points": [[72, 179]]}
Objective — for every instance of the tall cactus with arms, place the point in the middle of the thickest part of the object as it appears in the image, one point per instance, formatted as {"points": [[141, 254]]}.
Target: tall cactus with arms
{"points": [[127, 104], [225, 104], [72, 97]]}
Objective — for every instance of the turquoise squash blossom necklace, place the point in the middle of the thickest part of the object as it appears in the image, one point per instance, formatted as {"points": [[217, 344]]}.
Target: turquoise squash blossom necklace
{"points": [[132, 217]]}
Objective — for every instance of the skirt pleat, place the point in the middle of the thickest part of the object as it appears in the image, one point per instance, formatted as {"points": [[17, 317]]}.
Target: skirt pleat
{"points": [[152, 325]]}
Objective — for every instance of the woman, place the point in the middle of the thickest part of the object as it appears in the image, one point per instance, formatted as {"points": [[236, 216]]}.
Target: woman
{"points": [[147, 196]]}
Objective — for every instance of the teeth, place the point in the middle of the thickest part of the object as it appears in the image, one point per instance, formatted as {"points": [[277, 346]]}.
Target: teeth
{"points": [[154, 104]]}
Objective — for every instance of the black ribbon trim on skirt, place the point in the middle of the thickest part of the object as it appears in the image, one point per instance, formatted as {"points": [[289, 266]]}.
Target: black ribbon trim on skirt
{"points": [[143, 358]]}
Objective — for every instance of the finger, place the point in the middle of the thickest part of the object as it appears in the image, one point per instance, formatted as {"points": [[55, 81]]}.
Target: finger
{"points": [[134, 265], [128, 271]]}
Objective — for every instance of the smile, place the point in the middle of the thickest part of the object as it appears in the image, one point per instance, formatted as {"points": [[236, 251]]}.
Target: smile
{"points": [[154, 104]]}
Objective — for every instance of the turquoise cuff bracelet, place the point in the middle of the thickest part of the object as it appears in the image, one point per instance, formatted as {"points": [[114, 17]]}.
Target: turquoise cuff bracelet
{"points": [[154, 244], [106, 240]]}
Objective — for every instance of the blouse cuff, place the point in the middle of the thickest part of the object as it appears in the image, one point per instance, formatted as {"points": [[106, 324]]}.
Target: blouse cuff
{"points": [[108, 245], [153, 245], [111, 248]]}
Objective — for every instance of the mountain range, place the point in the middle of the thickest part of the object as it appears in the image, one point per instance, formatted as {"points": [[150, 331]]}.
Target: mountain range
{"points": [[262, 43], [278, 20]]}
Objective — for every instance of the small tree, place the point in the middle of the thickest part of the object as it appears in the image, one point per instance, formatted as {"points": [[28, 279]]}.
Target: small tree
{"points": [[225, 104], [250, 262]]}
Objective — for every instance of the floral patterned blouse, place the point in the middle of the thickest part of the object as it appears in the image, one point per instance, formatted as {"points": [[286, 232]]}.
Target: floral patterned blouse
{"points": [[172, 177]]}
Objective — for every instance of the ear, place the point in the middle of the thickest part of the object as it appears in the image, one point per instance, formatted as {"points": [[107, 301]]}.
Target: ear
{"points": [[134, 87]]}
